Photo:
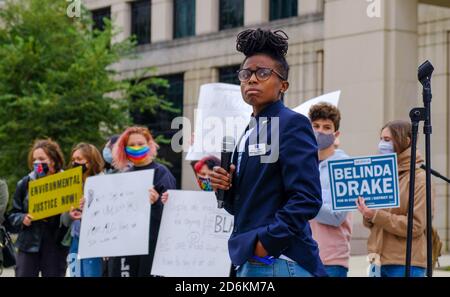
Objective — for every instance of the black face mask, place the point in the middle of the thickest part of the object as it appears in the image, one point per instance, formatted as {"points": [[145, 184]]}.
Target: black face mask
{"points": [[83, 166]]}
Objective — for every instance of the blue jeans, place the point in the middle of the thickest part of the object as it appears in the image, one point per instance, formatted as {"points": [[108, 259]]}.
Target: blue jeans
{"points": [[280, 268], [336, 270], [399, 271], [89, 267]]}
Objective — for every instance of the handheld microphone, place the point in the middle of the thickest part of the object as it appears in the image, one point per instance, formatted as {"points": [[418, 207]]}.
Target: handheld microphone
{"points": [[225, 162]]}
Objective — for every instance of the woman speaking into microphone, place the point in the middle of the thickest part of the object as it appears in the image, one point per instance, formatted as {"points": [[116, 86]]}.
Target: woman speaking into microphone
{"points": [[272, 202]]}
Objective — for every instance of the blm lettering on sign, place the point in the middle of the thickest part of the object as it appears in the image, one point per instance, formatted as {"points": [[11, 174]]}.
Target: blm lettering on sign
{"points": [[193, 237]]}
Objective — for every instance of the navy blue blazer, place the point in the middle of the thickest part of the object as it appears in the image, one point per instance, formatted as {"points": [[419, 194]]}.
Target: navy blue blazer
{"points": [[273, 202]]}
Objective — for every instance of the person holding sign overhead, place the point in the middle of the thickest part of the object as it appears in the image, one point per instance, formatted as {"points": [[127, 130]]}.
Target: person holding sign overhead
{"points": [[87, 157], [276, 189], [137, 146], [39, 242], [332, 230], [388, 227]]}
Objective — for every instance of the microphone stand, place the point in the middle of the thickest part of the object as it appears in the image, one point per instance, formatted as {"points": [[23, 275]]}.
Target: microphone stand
{"points": [[436, 174], [417, 115]]}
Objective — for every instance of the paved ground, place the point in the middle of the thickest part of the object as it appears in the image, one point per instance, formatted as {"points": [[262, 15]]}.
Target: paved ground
{"points": [[358, 267]]}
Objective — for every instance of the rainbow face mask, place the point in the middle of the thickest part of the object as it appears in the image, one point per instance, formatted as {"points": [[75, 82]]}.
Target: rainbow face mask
{"points": [[204, 184], [137, 154]]}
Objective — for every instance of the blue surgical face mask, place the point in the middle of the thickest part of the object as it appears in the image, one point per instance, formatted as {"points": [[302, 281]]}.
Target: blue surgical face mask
{"points": [[386, 147], [324, 141], [107, 155]]}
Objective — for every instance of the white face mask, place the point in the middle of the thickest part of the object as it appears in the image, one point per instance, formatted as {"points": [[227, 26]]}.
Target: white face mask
{"points": [[386, 147]]}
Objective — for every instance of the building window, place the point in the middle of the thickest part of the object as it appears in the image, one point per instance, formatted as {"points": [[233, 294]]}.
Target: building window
{"points": [[98, 17], [228, 75], [184, 18], [159, 123], [281, 9], [231, 14], [140, 21]]}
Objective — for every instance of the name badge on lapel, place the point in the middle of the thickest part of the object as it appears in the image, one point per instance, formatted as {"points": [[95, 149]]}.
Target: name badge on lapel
{"points": [[257, 149]]}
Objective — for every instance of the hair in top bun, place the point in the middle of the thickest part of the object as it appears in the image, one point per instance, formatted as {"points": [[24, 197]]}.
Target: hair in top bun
{"points": [[263, 41], [259, 41]]}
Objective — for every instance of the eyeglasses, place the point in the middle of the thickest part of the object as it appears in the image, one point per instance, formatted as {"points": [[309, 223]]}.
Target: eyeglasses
{"points": [[262, 74]]}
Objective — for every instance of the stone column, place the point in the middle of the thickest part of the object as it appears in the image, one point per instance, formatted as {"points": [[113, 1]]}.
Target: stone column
{"points": [[256, 12], [310, 6], [206, 16], [162, 20], [371, 55], [121, 18]]}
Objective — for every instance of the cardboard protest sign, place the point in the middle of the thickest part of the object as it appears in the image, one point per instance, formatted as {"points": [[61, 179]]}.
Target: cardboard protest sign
{"points": [[116, 215], [220, 112], [55, 194], [193, 237], [332, 98], [375, 178]]}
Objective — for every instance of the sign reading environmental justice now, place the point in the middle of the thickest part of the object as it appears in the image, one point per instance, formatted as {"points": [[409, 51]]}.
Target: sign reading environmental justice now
{"points": [[375, 178], [55, 194]]}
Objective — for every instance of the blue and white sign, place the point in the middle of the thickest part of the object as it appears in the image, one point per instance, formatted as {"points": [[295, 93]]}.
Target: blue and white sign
{"points": [[375, 178]]}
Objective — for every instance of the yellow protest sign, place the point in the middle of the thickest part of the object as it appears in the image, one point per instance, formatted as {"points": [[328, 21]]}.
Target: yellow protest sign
{"points": [[55, 194]]}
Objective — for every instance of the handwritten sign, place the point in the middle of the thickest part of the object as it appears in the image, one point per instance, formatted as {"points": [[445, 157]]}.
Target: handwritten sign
{"points": [[193, 237], [116, 215], [55, 194], [220, 112], [375, 178]]}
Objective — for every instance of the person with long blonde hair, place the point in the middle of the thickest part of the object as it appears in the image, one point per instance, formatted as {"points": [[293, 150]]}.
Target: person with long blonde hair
{"points": [[87, 157]]}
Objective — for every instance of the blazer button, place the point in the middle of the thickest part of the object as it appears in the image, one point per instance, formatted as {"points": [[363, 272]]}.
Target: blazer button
{"points": [[235, 229]]}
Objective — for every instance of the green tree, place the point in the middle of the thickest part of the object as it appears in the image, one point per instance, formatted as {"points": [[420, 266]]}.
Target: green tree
{"points": [[58, 79]]}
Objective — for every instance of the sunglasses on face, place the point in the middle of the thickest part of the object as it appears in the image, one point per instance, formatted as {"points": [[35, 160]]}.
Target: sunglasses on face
{"points": [[262, 74]]}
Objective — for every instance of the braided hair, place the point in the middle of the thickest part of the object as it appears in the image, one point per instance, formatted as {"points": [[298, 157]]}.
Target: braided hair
{"points": [[261, 41]]}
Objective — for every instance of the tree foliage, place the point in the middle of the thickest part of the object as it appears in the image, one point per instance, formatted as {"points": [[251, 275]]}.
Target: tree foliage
{"points": [[58, 80]]}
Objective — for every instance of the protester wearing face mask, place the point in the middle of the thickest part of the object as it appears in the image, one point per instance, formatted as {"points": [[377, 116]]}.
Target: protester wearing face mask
{"points": [[107, 154], [332, 230], [137, 147], [388, 227], [87, 157], [39, 242], [203, 168]]}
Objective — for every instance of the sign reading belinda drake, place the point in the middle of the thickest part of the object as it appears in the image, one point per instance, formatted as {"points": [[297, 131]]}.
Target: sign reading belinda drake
{"points": [[375, 178]]}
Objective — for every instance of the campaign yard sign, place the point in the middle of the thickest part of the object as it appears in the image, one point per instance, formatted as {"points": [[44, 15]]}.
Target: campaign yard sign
{"points": [[375, 178]]}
